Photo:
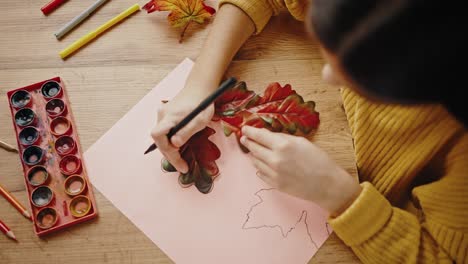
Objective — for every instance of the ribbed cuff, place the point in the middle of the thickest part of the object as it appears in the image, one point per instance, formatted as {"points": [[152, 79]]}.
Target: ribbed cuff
{"points": [[259, 11], [364, 218]]}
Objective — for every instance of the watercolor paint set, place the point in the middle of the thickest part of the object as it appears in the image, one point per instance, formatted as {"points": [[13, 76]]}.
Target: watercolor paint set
{"points": [[55, 175]]}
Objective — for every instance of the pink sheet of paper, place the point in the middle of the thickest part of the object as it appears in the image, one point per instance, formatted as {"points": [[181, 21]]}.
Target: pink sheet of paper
{"points": [[242, 220]]}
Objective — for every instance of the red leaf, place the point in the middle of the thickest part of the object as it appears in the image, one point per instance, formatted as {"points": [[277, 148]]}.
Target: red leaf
{"points": [[280, 109], [274, 92], [234, 99], [200, 154]]}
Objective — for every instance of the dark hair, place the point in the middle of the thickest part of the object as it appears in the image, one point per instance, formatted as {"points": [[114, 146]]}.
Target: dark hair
{"points": [[405, 51]]}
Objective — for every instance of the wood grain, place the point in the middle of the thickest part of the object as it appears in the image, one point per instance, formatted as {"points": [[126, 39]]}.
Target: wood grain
{"points": [[108, 77]]}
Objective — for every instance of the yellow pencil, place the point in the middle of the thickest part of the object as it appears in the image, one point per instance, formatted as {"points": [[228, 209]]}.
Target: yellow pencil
{"points": [[93, 34]]}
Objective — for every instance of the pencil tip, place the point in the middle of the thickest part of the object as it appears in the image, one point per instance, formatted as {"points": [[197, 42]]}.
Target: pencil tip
{"points": [[11, 235], [151, 148], [27, 215], [148, 150]]}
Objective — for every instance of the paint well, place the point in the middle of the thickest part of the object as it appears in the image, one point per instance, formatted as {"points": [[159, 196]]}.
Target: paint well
{"points": [[20, 99], [33, 155], [60, 126], [46, 218], [51, 89], [55, 107], [42, 196], [24, 117], [28, 136], [37, 175], [70, 164], [74, 185], [80, 206], [64, 145]]}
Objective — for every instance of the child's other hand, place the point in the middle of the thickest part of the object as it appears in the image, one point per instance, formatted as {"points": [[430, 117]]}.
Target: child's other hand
{"points": [[298, 167], [172, 113]]}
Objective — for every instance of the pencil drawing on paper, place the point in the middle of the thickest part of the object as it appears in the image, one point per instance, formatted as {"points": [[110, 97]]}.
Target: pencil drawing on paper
{"points": [[285, 231]]}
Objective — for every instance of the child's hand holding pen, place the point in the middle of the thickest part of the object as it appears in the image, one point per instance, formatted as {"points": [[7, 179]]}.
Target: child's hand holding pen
{"points": [[172, 113], [220, 47]]}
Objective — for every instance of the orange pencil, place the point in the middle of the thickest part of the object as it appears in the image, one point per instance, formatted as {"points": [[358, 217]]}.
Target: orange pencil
{"points": [[15, 203], [6, 230]]}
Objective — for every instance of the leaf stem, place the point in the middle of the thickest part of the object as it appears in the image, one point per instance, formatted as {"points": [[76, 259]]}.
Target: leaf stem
{"points": [[183, 31]]}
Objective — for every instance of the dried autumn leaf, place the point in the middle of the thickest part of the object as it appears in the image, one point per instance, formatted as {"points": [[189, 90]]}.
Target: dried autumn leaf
{"points": [[280, 109], [183, 12], [201, 155]]}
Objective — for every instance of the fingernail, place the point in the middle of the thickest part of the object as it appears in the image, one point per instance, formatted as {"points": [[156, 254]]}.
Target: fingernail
{"points": [[176, 141], [244, 129], [243, 139]]}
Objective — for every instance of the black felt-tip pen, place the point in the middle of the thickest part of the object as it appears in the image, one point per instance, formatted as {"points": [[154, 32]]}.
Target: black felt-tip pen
{"points": [[202, 106]]}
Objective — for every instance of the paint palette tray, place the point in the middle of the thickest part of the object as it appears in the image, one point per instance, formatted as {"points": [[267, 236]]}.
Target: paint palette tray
{"points": [[55, 175]]}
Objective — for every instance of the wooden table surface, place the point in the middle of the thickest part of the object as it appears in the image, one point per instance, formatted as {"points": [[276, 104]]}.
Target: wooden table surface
{"points": [[108, 77]]}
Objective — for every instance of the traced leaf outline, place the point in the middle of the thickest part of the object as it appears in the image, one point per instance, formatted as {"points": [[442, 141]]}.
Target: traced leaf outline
{"points": [[284, 233]]}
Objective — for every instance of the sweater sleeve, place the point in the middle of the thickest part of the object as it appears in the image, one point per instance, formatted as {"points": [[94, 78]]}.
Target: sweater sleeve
{"points": [[380, 233], [259, 11]]}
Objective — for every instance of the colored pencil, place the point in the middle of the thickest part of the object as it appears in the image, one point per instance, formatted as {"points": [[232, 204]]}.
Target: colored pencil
{"points": [[7, 231], [7, 147], [51, 6], [202, 106], [93, 34], [78, 19], [12, 200]]}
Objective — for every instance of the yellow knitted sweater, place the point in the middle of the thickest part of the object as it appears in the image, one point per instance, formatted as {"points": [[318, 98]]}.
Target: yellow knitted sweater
{"points": [[413, 167]]}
